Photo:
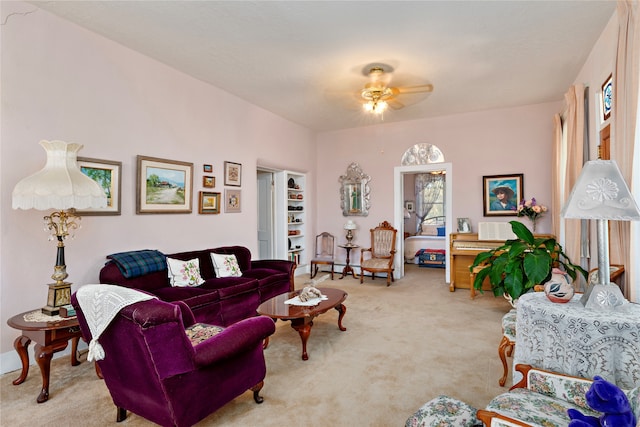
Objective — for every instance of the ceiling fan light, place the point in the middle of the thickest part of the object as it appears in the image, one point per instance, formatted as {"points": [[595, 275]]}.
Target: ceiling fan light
{"points": [[375, 107]]}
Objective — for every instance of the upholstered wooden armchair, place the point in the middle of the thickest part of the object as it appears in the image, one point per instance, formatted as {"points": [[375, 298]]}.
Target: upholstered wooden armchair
{"points": [[542, 398], [381, 252], [323, 254]]}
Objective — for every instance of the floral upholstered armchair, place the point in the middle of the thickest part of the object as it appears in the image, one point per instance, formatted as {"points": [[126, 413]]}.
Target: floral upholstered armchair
{"points": [[542, 399]]}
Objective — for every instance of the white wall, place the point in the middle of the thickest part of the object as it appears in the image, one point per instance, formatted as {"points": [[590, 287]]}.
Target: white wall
{"points": [[60, 81]]}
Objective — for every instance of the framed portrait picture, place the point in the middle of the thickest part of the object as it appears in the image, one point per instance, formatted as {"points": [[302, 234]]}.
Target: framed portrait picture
{"points": [[163, 186], [232, 174], [501, 194], [232, 202], [107, 174], [209, 203], [209, 181], [207, 168], [464, 225]]}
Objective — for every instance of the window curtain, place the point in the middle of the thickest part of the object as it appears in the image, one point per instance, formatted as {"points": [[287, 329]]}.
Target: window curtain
{"points": [[624, 134], [428, 187], [556, 193], [574, 99]]}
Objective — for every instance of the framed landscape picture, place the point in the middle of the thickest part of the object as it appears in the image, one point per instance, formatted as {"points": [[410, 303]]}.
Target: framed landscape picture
{"points": [[501, 194], [232, 174], [209, 203], [232, 201], [209, 181], [107, 174], [163, 186]]}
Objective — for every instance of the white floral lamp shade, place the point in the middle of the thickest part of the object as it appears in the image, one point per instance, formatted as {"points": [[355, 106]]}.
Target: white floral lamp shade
{"points": [[601, 193]]}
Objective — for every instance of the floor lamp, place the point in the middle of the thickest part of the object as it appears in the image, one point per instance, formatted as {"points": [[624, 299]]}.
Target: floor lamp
{"points": [[61, 186], [601, 194]]}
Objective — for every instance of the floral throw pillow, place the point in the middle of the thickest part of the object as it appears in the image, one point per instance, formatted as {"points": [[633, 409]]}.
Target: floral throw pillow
{"points": [[184, 273], [226, 265]]}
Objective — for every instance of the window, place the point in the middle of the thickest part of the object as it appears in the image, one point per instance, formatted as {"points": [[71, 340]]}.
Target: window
{"points": [[430, 199]]}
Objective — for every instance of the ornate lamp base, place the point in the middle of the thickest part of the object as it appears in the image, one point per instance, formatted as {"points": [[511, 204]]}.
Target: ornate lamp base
{"points": [[604, 297], [59, 295]]}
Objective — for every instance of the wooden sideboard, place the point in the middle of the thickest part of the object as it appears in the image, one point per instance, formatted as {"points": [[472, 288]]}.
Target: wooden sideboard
{"points": [[463, 250]]}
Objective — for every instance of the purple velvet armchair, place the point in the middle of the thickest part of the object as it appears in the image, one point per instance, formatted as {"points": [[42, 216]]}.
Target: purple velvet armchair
{"points": [[163, 366]]}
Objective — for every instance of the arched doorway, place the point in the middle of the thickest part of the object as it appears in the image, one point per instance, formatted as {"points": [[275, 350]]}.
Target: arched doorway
{"points": [[421, 159]]}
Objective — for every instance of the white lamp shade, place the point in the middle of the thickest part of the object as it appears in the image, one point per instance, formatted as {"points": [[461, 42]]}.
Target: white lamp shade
{"points": [[601, 193], [60, 184], [350, 225]]}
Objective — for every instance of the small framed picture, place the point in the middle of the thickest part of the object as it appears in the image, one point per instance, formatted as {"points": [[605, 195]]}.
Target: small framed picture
{"points": [[107, 174], [501, 194], [607, 97], [209, 203], [163, 186], [207, 168], [232, 203], [410, 206], [232, 174], [464, 225], [209, 181]]}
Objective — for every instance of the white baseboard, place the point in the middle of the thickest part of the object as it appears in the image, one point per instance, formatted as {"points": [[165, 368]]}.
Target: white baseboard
{"points": [[10, 361]]}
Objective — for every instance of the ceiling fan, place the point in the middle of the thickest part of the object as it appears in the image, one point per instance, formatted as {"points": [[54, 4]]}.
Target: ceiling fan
{"points": [[377, 95]]}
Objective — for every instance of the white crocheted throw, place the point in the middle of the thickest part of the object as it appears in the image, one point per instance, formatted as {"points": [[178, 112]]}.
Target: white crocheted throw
{"points": [[100, 304]]}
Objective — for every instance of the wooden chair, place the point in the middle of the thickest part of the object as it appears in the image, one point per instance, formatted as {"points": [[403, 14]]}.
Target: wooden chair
{"points": [[382, 252], [323, 254], [615, 275]]}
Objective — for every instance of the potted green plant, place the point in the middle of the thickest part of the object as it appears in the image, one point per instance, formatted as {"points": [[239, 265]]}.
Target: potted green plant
{"points": [[522, 263]]}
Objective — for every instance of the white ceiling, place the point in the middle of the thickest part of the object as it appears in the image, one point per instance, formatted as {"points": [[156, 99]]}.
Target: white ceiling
{"points": [[303, 60]]}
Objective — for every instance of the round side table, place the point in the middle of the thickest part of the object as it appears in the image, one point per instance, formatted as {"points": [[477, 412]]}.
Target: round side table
{"points": [[49, 337]]}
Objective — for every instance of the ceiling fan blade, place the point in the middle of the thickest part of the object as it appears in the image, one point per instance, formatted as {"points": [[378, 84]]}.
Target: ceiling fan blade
{"points": [[414, 89], [394, 104]]}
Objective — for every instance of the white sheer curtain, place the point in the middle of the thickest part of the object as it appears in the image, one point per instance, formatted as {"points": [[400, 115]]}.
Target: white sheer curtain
{"points": [[624, 139], [429, 190]]}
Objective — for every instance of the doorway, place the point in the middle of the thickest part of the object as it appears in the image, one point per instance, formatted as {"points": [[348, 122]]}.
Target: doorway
{"points": [[266, 200], [399, 222]]}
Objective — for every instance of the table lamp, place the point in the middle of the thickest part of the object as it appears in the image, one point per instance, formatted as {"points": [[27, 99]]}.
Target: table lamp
{"points": [[61, 186], [350, 226], [601, 194]]}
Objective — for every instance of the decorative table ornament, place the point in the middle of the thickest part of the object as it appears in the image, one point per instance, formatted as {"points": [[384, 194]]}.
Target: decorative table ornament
{"points": [[309, 292], [560, 287], [309, 296]]}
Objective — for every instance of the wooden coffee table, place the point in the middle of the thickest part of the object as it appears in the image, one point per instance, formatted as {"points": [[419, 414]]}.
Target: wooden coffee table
{"points": [[301, 317]]}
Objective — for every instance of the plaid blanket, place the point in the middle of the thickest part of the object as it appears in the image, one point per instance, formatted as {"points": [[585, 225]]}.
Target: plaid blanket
{"points": [[139, 263]]}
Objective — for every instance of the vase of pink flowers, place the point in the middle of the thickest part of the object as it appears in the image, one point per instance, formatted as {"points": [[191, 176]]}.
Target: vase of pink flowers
{"points": [[532, 210]]}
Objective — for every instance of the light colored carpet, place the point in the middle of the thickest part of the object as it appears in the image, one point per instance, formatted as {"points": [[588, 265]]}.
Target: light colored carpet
{"points": [[404, 345]]}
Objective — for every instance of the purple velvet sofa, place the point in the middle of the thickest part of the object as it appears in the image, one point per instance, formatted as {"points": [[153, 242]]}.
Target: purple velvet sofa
{"points": [[219, 300], [154, 368]]}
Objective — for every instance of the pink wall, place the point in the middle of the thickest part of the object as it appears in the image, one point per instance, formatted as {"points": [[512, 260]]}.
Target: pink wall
{"points": [[61, 82], [507, 141]]}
